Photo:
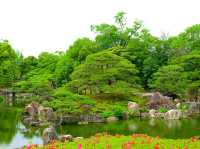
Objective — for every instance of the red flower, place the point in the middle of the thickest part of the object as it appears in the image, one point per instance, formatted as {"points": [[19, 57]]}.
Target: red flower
{"points": [[80, 146], [156, 146]]}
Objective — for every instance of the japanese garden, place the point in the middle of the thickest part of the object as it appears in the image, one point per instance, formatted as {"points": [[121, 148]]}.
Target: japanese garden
{"points": [[124, 89]]}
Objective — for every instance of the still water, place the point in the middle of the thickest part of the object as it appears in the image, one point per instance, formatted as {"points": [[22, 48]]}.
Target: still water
{"points": [[13, 134]]}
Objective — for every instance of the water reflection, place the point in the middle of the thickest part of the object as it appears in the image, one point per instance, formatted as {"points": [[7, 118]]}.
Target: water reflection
{"points": [[13, 134], [8, 124], [184, 128]]}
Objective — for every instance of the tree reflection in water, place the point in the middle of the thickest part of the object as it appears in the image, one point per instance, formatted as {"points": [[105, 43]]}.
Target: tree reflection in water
{"points": [[9, 119]]}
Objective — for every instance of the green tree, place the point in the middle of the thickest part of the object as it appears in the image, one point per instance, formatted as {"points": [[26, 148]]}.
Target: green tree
{"points": [[101, 71], [170, 80], [9, 68]]}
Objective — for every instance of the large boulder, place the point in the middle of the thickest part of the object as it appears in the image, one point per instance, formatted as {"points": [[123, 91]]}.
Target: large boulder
{"points": [[46, 113], [49, 134], [152, 113], [32, 109], [193, 107], [65, 138], [133, 107], [112, 119], [30, 121], [155, 114], [68, 119], [91, 118], [157, 96], [173, 114], [157, 101]]}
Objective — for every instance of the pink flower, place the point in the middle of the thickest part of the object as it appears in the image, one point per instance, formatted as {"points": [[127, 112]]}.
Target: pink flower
{"points": [[80, 146], [28, 146]]}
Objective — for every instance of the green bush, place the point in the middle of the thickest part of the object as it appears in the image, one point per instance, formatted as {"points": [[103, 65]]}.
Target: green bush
{"points": [[163, 110], [1, 99], [106, 114], [184, 107], [118, 110], [141, 101]]}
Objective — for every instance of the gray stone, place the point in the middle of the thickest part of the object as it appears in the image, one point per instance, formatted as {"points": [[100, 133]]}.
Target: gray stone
{"points": [[49, 134], [157, 96], [173, 114], [133, 106], [112, 119], [32, 109], [125, 115], [65, 138], [82, 123], [145, 115], [152, 113], [155, 114], [46, 113], [77, 139]]}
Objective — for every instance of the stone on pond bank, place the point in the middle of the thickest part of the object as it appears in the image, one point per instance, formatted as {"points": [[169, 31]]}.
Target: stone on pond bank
{"points": [[49, 134], [133, 106], [155, 114], [64, 138], [112, 119], [173, 114]]}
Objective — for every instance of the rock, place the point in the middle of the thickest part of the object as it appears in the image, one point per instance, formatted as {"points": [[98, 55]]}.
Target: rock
{"points": [[133, 106], [177, 101], [30, 121], [193, 107], [82, 123], [46, 113], [147, 95], [77, 139], [91, 118], [157, 96], [64, 138], [35, 105], [145, 115], [152, 113], [67, 119], [155, 114], [125, 115], [173, 114], [32, 109], [49, 134], [157, 101], [112, 119], [168, 98]]}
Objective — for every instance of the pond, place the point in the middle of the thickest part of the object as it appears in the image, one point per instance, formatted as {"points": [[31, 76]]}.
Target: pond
{"points": [[13, 134]]}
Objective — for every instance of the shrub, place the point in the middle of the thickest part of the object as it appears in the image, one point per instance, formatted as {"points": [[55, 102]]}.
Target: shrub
{"points": [[118, 110], [1, 99], [106, 114], [163, 110], [184, 107]]}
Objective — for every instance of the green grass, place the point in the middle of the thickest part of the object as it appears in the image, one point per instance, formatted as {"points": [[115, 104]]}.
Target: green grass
{"points": [[136, 141]]}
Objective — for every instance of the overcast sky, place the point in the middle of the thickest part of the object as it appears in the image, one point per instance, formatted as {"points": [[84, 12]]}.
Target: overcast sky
{"points": [[33, 26]]}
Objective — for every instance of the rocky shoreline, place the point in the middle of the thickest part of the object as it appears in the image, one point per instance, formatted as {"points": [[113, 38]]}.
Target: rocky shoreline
{"points": [[39, 116]]}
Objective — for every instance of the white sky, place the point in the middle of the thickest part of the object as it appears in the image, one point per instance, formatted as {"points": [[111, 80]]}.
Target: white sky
{"points": [[33, 26]]}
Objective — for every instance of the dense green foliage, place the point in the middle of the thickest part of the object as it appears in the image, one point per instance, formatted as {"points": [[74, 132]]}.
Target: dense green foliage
{"points": [[120, 62]]}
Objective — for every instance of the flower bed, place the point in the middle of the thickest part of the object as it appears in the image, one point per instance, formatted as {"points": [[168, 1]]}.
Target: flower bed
{"points": [[135, 141]]}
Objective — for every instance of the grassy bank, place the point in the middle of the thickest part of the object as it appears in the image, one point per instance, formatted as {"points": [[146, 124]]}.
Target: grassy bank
{"points": [[135, 141]]}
